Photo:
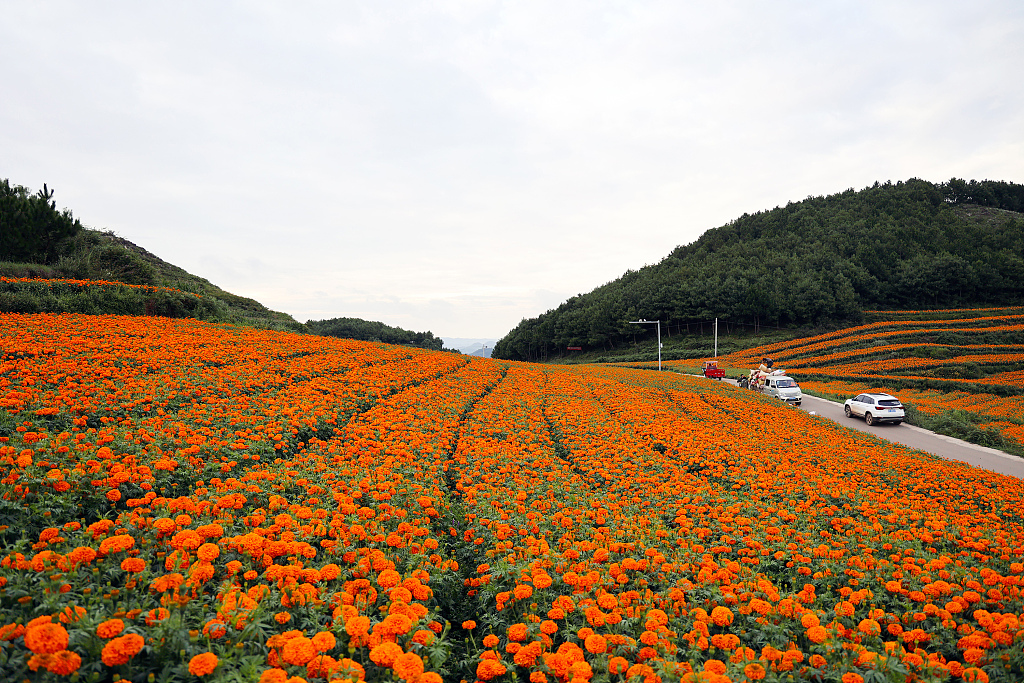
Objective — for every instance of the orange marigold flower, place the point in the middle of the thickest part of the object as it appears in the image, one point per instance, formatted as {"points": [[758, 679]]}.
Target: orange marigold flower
{"points": [[754, 671], [273, 676], [46, 638], [851, 677], [491, 640], [817, 634], [208, 552], [408, 666], [385, 654], [388, 578], [489, 669], [282, 617], [523, 591], [595, 644], [715, 666], [324, 641], [357, 626], [869, 627], [517, 632], [120, 650], [617, 665], [721, 616], [202, 665], [63, 663], [109, 628], [115, 544], [298, 651], [157, 615], [973, 675], [133, 565], [469, 625]]}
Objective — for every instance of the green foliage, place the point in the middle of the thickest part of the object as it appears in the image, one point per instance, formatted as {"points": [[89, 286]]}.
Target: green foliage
{"points": [[31, 227], [823, 260], [964, 425], [367, 330]]}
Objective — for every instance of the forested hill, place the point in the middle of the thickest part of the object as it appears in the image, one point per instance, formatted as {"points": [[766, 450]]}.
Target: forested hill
{"points": [[906, 245], [368, 330]]}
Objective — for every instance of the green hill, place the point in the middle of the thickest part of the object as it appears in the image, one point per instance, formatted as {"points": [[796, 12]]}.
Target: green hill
{"points": [[366, 330], [908, 245], [37, 241]]}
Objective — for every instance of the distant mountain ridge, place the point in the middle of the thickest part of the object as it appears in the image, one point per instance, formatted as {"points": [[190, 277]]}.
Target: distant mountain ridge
{"points": [[907, 245]]}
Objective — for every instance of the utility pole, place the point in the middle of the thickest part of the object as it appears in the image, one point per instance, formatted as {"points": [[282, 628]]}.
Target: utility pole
{"points": [[716, 337]]}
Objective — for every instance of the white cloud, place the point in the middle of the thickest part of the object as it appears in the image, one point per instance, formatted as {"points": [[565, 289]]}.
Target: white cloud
{"points": [[457, 166]]}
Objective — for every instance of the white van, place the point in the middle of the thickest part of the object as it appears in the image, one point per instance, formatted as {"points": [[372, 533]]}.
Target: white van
{"points": [[784, 388]]}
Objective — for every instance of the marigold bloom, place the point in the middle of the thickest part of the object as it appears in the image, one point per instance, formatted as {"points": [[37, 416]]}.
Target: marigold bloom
{"points": [[357, 626], [385, 654], [721, 616], [109, 628], [203, 664], [517, 632], [46, 638], [324, 641], [596, 644], [408, 666], [817, 634], [208, 552], [133, 565], [388, 578], [489, 669], [298, 651], [617, 665], [120, 650]]}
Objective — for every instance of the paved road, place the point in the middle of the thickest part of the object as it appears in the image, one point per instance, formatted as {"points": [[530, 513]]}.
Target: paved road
{"points": [[943, 446]]}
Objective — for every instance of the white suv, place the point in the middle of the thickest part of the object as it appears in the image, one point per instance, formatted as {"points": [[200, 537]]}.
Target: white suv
{"points": [[875, 408]]}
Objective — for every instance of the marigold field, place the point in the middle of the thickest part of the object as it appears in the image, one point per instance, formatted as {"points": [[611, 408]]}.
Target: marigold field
{"points": [[183, 501], [958, 360]]}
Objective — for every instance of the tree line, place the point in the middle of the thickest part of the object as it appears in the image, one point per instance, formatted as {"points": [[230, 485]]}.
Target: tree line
{"points": [[31, 227], [368, 330], [908, 245]]}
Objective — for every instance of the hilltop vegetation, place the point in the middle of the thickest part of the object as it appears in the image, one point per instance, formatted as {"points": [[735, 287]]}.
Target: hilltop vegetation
{"points": [[366, 330], [51, 263], [820, 261], [38, 241]]}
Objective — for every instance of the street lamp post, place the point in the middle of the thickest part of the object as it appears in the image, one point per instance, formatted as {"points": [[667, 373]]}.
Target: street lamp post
{"points": [[644, 321]]}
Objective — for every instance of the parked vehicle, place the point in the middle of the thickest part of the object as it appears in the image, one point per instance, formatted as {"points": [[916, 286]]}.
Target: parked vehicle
{"points": [[712, 371], [875, 408], [783, 388]]}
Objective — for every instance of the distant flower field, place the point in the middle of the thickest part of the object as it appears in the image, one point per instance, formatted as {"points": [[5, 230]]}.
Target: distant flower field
{"points": [[184, 501], [969, 360]]}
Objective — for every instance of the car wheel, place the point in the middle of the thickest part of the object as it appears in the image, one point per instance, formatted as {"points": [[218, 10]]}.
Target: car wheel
{"points": [[869, 419], [849, 413], [898, 422]]}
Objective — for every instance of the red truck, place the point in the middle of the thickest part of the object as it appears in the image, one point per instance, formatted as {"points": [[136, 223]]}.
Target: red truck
{"points": [[712, 371]]}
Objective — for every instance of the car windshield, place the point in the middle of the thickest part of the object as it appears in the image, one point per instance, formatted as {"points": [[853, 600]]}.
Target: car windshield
{"points": [[785, 383]]}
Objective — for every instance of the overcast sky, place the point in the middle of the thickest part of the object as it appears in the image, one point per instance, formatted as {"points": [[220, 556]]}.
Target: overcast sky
{"points": [[458, 166]]}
